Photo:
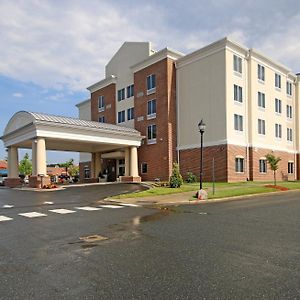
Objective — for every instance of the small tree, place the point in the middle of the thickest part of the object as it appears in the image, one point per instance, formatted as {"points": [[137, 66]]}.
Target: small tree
{"points": [[25, 165], [73, 170], [175, 179], [273, 162], [67, 164]]}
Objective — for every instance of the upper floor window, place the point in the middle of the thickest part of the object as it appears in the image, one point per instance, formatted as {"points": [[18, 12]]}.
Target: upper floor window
{"points": [[261, 126], [102, 119], [151, 134], [289, 134], [151, 109], [130, 113], [101, 104], [130, 91], [238, 122], [238, 93], [121, 94], [278, 106], [289, 88], [278, 132], [261, 100], [277, 80], [237, 64], [121, 116], [151, 83], [261, 72], [289, 111]]}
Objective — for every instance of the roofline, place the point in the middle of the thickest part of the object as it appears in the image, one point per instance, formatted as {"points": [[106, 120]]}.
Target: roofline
{"points": [[83, 102], [102, 83], [156, 57]]}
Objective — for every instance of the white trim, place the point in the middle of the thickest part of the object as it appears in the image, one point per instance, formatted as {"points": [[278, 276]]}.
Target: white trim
{"points": [[102, 83]]}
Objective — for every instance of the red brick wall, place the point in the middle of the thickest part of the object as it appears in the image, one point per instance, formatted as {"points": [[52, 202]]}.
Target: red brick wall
{"points": [[190, 162], [159, 156], [225, 163], [109, 93]]}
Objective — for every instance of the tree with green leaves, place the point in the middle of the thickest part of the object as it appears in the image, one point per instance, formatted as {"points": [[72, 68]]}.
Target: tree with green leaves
{"points": [[73, 170], [176, 179], [273, 162], [25, 165], [67, 164]]}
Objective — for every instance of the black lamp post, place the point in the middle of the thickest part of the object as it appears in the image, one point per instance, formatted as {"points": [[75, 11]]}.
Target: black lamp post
{"points": [[201, 127]]}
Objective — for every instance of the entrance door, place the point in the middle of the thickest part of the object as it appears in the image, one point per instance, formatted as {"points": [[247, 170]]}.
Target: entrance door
{"points": [[111, 170]]}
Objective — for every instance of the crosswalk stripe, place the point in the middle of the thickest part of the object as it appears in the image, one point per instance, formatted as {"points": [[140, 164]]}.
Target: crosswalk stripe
{"points": [[32, 214], [129, 204], [4, 218], [88, 208], [111, 206], [62, 211], [8, 206]]}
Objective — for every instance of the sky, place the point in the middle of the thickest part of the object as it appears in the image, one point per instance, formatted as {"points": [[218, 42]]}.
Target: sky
{"points": [[50, 51]]}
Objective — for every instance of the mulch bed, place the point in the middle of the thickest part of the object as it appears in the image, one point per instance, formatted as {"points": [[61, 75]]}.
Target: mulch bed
{"points": [[280, 188]]}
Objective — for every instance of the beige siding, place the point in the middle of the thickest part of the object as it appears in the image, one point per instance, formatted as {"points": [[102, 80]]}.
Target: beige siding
{"points": [[201, 94]]}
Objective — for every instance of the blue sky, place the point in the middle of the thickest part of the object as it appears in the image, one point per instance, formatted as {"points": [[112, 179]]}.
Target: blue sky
{"points": [[50, 51]]}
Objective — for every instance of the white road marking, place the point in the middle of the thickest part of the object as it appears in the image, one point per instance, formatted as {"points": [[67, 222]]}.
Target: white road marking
{"points": [[62, 211], [32, 215], [8, 206], [4, 218], [129, 204], [48, 202], [111, 206], [88, 208]]}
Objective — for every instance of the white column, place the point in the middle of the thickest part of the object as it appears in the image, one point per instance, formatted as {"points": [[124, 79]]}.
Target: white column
{"points": [[13, 162], [127, 161], [33, 157], [134, 162], [41, 167]]}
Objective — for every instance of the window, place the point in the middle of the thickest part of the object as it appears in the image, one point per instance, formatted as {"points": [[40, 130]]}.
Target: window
{"points": [[290, 167], [261, 100], [289, 88], [130, 91], [238, 93], [263, 165], [121, 116], [130, 113], [278, 131], [237, 64], [121, 94], [86, 171], [144, 168], [151, 83], [278, 106], [289, 111], [102, 119], [277, 80], [151, 110], [238, 122], [261, 126], [261, 72], [101, 103], [239, 164], [289, 134], [151, 134]]}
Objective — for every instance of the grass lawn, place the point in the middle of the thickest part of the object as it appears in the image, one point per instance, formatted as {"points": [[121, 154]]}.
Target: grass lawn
{"points": [[222, 189]]}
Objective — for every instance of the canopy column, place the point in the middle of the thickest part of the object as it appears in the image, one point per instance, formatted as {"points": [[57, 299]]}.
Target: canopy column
{"points": [[13, 179]]}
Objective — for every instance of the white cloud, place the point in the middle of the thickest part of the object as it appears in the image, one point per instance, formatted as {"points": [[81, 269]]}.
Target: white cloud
{"points": [[18, 95], [65, 45]]}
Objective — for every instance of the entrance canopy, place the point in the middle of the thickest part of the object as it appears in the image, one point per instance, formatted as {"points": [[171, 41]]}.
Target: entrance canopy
{"points": [[67, 134], [41, 132]]}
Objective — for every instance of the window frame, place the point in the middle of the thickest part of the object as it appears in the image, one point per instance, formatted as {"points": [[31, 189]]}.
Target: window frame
{"points": [[101, 100], [278, 106], [261, 99], [289, 134], [262, 166], [151, 114], [121, 94], [101, 118], [261, 126], [142, 169], [151, 83], [237, 93], [237, 64], [289, 88], [130, 91], [278, 131], [239, 164], [290, 167], [238, 120], [121, 113], [130, 113], [153, 134], [277, 81], [261, 72]]}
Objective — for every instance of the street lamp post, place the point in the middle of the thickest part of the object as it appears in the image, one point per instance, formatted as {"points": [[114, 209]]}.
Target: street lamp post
{"points": [[201, 194]]}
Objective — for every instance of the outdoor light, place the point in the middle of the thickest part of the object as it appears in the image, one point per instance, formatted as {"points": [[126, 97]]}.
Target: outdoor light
{"points": [[201, 194]]}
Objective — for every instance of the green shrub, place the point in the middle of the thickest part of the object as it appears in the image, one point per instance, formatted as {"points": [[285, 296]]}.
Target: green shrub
{"points": [[175, 179], [191, 178]]}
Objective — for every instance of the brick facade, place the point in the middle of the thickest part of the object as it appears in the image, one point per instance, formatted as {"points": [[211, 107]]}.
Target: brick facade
{"points": [[109, 93], [159, 156], [82, 166], [224, 157]]}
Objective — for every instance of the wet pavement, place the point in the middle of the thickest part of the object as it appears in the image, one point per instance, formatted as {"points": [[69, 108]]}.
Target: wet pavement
{"points": [[232, 250]]}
